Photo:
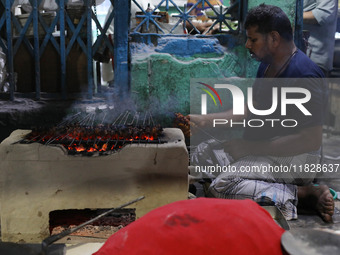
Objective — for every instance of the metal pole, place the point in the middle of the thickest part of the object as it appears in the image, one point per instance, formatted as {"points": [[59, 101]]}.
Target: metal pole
{"points": [[89, 50], [121, 44], [62, 48], [36, 48], [298, 34], [49, 240], [10, 48]]}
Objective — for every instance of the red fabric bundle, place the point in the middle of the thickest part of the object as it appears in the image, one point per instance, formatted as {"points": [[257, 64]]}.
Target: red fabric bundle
{"points": [[199, 226]]}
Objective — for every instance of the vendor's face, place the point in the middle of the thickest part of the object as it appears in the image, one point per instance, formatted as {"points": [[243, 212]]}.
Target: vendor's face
{"points": [[258, 45]]}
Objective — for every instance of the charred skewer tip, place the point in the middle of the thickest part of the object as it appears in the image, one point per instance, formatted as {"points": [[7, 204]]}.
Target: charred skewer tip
{"points": [[49, 240]]}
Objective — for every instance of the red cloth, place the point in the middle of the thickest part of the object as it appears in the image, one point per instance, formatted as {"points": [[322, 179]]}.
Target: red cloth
{"points": [[200, 227]]}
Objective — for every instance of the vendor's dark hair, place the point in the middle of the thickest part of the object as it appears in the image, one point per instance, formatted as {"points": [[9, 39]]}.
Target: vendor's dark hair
{"points": [[269, 18]]}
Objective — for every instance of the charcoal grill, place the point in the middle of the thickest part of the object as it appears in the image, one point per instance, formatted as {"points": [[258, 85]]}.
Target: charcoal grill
{"points": [[98, 140], [41, 176], [80, 136]]}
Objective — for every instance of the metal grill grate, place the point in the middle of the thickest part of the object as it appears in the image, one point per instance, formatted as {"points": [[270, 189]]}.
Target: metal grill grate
{"points": [[86, 136]]}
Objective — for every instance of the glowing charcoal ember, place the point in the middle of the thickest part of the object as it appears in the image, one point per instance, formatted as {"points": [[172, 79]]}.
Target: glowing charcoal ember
{"points": [[103, 139], [104, 148]]}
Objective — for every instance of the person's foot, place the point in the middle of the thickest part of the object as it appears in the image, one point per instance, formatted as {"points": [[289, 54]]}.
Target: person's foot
{"points": [[317, 198]]}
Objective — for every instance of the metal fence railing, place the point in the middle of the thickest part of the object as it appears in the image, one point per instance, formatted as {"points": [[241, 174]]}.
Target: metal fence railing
{"points": [[37, 32]]}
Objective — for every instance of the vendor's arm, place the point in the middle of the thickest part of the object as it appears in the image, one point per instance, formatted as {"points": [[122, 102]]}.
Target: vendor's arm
{"points": [[307, 140], [207, 120], [308, 18], [323, 13]]}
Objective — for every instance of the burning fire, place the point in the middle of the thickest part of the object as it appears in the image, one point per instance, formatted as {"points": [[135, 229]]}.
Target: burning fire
{"points": [[80, 139], [104, 147]]}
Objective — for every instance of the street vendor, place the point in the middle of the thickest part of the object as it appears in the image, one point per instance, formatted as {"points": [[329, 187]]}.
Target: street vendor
{"points": [[270, 41]]}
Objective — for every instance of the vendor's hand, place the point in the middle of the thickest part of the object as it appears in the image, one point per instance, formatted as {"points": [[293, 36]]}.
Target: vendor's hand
{"points": [[183, 122], [189, 123], [238, 148], [198, 120]]}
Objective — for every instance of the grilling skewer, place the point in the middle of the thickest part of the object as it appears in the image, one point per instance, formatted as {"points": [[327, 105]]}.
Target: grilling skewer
{"points": [[119, 119], [95, 143], [82, 120], [152, 122], [113, 124], [88, 132], [126, 118], [149, 118], [41, 139], [137, 119], [52, 139], [72, 142], [122, 119], [116, 143], [88, 120], [49, 240], [103, 118], [134, 117], [144, 119], [88, 124], [93, 118], [56, 139], [68, 120], [106, 144], [64, 137]]}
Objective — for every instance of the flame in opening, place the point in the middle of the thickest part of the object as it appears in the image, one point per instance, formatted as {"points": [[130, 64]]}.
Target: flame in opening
{"points": [[79, 147]]}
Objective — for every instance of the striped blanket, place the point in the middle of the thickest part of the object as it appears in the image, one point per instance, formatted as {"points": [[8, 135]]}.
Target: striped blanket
{"points": [[264, 179]]}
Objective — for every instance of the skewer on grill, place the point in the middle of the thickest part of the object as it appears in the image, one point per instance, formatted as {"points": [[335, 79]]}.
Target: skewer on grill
{"points": [[85, 119], [72, 142], [133, 119], [152, 122], [103, 118], [69, 120], [144, 120], [41, 139], [126, 119], [123, 118], [84, 132], [52, 139], [114, 123], [93, 118]]}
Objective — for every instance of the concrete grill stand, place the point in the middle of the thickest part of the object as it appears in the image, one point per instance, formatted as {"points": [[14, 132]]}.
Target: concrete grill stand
{"points": [[36, 179]]}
